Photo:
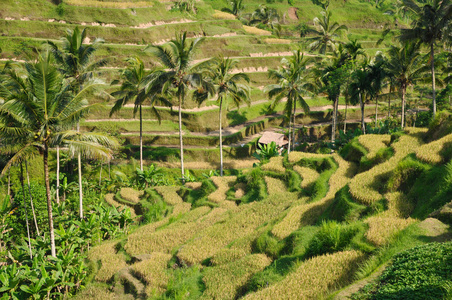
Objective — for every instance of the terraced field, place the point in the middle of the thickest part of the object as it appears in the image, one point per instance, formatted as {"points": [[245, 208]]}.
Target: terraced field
{"points": [[128, 27], [264, 244]]}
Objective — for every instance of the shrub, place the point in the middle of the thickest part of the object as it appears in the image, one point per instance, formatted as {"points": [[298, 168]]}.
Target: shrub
{"points": [[405, 174], [344, 208], [332, 237], [266, 243]]}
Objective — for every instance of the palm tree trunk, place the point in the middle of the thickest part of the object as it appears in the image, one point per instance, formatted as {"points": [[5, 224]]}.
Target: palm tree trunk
{"points": [[333, 125], [345, 116], [9, 184], [49, 200], [181, 141], [403, 106], [141, 139], [58, 176], [80, 187], [290, 136], [31, 198], [293, 124], [432, 59], [221, 141], [26, 210], [376, 110], [361, 104], [389, 107]]}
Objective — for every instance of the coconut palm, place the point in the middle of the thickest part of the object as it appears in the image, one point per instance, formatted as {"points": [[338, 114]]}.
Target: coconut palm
{"points": [[405, 66], [428, 27], [331, 78], [264, 15], [236, 7], [360, 88], [227, 86], [377, 76], [39, 108], [180, 75], [138, 86], [75, 61], [327, 33], [293, 83]]}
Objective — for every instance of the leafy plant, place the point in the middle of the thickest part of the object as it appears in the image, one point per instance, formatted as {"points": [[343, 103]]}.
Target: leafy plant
{"points": [[150, 177], [266, 151]]}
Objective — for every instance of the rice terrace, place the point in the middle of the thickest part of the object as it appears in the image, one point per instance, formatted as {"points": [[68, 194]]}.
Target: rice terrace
{"points": [[225, 149]]}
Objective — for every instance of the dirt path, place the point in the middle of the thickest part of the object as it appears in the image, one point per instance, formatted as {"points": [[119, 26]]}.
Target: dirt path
{"points": [[293, 13]]}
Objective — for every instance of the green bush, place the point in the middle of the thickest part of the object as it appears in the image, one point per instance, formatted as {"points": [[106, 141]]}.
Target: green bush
{"points": [[344, 208], [332, 237], [268, 244], [353, 151], [381, 156], [405, 174], [423, 272]]}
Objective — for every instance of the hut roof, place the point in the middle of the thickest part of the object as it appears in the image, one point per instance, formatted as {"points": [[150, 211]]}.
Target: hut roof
{"points": [[269, 137]]}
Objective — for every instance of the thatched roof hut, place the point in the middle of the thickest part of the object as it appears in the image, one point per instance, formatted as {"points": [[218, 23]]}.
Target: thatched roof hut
{"points": [[269, 137]]}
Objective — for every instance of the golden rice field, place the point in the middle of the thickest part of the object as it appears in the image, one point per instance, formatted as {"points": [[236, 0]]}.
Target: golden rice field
{"points": [[224, 281], [223, 15], [130, 194], [169, 194], [431, 152], [153, 272], [277, 41], [256, 31], [275, 165], [275, 186], [110, 261], [309, 175], [223, 184], [374, 142], [314, 278], [363, 186], [220, 239], [382, 228]]}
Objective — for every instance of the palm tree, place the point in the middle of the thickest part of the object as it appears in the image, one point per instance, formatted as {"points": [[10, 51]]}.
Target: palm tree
{"points": [[428, 27], [36, 115], [227, 86], [327, 33], [236, 7], [180, 74], [265, 15], [405, 66], [360, 88], [331, 76], [138, 86], [293, 83], [76, 64], [377, 75]]}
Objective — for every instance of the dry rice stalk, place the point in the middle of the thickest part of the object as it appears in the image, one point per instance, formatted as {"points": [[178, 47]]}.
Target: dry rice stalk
{"points": [[382, 228], [152, 271], [309, 175], [131, 195], [277, 41], [275, 186], [275, 164], [431, 152], [398, 205], [111, 262], [314, 278], [223, 15], [239, 224], [169, 194], [256, 31], [224, 281], [109, 198], [296, 156], [223, 184], [374, 142], [361, 186]]}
